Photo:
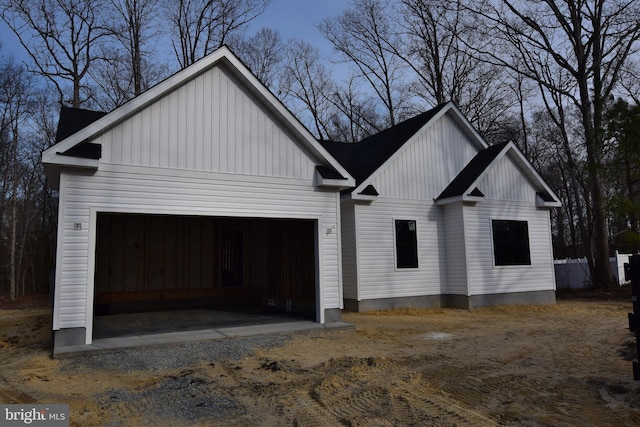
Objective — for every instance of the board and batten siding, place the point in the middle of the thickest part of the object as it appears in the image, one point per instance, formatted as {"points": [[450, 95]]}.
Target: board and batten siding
{"points": [[427, 165], [486, 278], [212, 123], [378, 275], [136, 189], [505, 181]]}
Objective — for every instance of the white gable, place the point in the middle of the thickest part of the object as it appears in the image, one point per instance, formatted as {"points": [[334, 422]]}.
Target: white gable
{"points": [[213, 123], [212, 116], [505, 181], [427, 163]]}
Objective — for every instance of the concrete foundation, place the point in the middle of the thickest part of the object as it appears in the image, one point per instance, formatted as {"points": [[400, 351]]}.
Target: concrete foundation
{"points": [[453, 301], [332, 315], [425, 301], [67, 337]]}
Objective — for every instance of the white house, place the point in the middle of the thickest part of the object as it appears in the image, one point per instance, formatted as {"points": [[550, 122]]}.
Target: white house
{"points": [[204, 188], [439, 218]]}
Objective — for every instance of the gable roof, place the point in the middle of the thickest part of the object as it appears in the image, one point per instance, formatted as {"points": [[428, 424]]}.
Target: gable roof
{"points": [[74, 119], [464, 186], [366, 159], [467, 176], [62, 154], [363, 158]]}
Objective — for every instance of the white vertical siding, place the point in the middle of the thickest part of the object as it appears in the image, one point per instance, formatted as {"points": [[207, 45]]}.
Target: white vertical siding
{"points": [[213, 124], [378, 276], [425, 167], [157, 190], [349, 249], [505, 181], [455, 255], [484, 277]]}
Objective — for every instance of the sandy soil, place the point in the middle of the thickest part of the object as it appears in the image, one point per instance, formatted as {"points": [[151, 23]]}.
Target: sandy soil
{"points": [[562, 365]]}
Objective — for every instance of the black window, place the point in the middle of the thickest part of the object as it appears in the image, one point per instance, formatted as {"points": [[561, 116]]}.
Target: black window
{"points": [[511, 242], [406, 244]]}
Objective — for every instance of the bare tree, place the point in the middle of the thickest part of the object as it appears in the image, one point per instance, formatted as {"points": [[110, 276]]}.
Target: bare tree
{"points": [[61, 37], [362, 35], [263, 54], [575, 51], [358, 117], [15, 105], [446, 69], [305, 83], [132, 24], [201, 26]]}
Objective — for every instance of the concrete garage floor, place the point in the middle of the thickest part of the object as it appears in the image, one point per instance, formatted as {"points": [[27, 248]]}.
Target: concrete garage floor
{"points": [[120, 331]]}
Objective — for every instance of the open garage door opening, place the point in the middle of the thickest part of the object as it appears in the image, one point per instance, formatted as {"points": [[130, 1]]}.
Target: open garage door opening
{"points": [[249, 267]]}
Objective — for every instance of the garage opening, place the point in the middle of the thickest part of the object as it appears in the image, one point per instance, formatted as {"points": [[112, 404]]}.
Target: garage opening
{"points": [[248, 267]]}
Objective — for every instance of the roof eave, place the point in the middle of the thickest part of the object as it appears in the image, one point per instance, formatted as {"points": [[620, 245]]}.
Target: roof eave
{"points": [[540, 203], [455, 199]]}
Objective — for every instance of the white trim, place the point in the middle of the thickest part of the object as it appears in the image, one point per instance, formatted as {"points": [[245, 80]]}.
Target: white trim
{"points": [[493, 254], [338, 233], [91, 273], [363, 197], [356, 237], [465, 198], [58, 270], [319, 272], [395, 245]]}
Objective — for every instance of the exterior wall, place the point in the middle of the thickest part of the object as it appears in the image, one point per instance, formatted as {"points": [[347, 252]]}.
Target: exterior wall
{"points": [[425, 167], [484, 276], [508, 195], [349, 250], [378, 275], [456, 250], [155, 190], [407, 189], [212, 123], [455, 241]]}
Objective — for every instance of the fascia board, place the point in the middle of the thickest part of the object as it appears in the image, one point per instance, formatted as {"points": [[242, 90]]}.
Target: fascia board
{"points": [[363, 197], [464, 198], [71, 161], [341, 184], [544, 204], [448, 200]]}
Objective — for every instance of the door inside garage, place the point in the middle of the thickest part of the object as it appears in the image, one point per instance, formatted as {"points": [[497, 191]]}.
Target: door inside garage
{"points": [[148, 263]]}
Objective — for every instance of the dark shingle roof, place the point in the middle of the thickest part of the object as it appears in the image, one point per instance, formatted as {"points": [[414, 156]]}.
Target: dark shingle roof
{"points": [[365, 157], [74, 119], [471, 172]]}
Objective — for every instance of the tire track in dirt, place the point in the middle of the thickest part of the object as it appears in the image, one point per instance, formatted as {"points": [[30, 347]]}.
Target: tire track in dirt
{"points": [[362, 392], [11, 396], [307, 412]]}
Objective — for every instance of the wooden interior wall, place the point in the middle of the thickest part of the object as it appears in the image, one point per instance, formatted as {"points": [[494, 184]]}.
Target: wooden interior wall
{"points": [[172, 257]]}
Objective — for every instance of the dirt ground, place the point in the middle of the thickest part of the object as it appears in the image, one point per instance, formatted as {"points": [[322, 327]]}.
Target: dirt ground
{"points": [[560, 365]]}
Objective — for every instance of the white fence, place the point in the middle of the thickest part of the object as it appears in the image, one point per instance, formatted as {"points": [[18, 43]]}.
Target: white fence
{"points": [[574, 272]]}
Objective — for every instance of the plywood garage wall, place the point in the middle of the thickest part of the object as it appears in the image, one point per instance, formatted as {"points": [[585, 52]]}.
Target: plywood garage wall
{"points": [[151, 257]]}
